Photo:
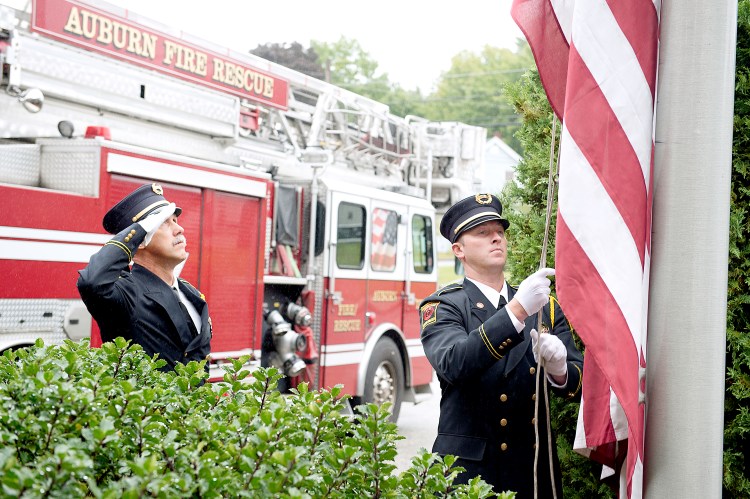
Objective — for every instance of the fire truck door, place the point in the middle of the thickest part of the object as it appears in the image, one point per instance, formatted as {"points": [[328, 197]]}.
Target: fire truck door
{"points": [[346, 288], [421, 279]]}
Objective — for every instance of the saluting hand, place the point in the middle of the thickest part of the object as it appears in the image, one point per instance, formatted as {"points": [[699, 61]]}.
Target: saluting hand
{"points": [[154, 220]]}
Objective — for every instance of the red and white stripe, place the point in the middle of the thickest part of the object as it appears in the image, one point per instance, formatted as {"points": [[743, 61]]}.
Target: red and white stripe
{"points": [[597, 60]]}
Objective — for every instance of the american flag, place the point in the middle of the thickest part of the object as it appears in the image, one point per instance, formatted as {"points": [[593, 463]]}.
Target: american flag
{"points": [[384, 234], [598, 62]]}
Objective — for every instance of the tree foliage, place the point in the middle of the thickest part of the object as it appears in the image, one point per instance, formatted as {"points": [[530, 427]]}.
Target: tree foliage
{"points": [[472, 90], [83, 422], [346, 64], [737, 397], [292, 55]]}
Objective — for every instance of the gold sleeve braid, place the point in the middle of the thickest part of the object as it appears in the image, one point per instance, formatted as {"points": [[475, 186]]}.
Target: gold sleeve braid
{"points": [[488, 344], [121, 246]]}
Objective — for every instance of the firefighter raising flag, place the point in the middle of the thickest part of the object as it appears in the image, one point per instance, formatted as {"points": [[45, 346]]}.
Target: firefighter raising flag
{"points": [[597, 62]]}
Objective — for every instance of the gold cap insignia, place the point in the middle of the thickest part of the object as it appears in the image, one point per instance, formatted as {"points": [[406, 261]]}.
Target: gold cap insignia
{"points": [[483, 198], [157, 189]]}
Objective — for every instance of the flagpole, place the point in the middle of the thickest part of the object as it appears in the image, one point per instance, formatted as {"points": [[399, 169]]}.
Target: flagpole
{"points": [[690, 244]]}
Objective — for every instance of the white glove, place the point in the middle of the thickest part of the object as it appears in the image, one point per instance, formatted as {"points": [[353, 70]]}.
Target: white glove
{"points": [[533, 292], [553, 352], [154, 220]]}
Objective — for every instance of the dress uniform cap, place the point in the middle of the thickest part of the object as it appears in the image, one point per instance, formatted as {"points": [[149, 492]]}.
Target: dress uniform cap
{"points": [[469, 213], [135, 206]]}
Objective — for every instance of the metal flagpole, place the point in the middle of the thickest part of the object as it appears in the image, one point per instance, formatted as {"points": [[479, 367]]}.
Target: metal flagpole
{"points": [[690, 245]]}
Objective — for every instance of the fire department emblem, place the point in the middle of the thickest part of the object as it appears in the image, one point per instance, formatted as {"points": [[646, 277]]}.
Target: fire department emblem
{"points": [[157, 189], [428, 313], [483, 198]]}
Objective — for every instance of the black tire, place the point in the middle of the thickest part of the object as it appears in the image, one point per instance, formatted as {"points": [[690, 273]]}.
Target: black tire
{"points": [[384, 380]]}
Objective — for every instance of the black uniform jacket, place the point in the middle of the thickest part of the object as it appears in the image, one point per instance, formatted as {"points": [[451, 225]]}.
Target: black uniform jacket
{"points": [[487, 375], [139, 306]]}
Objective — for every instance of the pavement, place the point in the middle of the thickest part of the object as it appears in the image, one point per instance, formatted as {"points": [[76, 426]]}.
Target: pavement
{"points": [[418, 423]]}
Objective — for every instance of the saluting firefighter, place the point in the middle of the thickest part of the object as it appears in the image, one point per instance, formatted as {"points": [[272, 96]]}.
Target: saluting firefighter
{"points": [[478, 336], [147, 303]]}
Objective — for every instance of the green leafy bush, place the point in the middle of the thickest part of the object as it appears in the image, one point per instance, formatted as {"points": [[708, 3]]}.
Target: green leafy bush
{"points": [[83, 422]]}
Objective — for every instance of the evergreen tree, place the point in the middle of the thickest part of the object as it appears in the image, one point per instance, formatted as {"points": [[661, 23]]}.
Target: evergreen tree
{"points": [[737, 397]]}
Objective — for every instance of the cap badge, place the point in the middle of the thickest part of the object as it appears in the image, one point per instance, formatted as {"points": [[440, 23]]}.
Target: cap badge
{"points": [[483, 198], [157, 189]]}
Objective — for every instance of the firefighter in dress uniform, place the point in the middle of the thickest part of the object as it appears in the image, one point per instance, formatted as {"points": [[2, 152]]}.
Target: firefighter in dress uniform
{"points": [[479, 337], [146, 304]]}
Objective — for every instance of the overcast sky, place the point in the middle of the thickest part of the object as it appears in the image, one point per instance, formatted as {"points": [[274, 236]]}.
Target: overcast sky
{"points": [[412, 40]]}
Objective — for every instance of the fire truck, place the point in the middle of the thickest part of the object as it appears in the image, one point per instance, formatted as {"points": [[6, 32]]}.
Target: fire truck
{"points": [[309, 210]]}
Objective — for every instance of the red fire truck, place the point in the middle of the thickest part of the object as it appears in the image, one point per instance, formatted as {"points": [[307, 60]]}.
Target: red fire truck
{"points": [[309, 210]]}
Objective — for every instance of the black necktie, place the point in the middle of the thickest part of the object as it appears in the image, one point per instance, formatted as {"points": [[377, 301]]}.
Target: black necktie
{"points": [[501, 302], [185, 312]]}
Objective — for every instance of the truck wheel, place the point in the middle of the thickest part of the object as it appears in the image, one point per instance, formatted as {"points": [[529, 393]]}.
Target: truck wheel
{"points": [[384, 381]]}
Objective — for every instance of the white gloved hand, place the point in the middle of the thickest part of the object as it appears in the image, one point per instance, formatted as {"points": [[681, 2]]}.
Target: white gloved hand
{"points": [[154, 220], [533, 292], [553, 352]]}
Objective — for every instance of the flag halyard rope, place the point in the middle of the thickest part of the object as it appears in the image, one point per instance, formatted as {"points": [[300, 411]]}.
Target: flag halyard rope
{"points": [[551, 184]]}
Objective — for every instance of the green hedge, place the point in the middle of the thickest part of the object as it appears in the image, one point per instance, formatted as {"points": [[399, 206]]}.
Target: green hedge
{"points": [[83, 422]]}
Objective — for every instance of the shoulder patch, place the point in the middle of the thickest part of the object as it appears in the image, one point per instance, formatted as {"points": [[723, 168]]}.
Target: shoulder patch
{"points": [[428, 313]]}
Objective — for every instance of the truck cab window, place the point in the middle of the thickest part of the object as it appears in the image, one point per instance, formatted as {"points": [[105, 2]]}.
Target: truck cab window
{"points": [[350, 236], [423, 253]]}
